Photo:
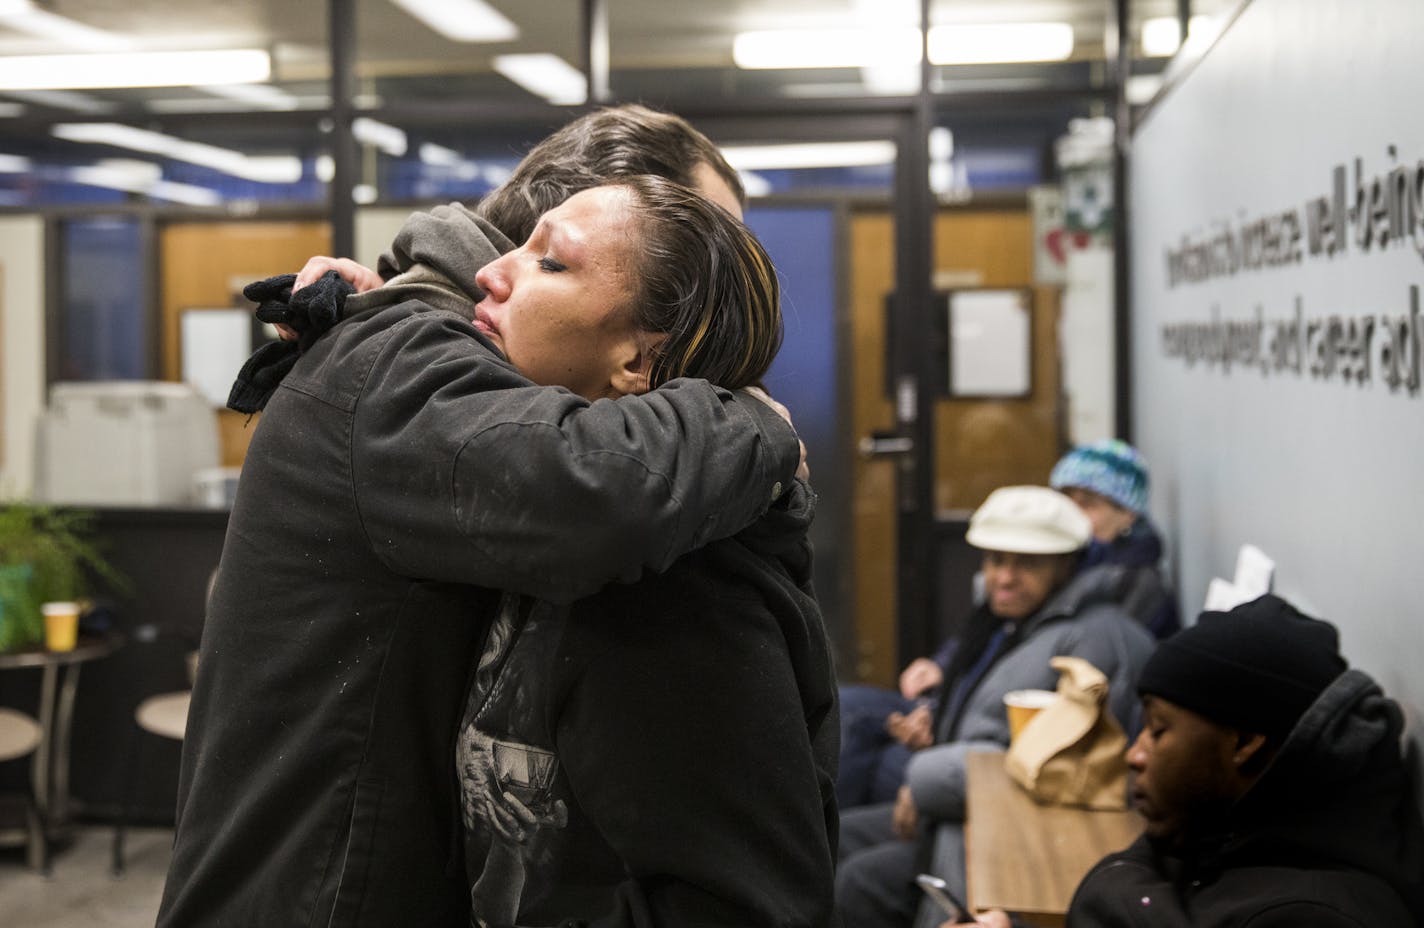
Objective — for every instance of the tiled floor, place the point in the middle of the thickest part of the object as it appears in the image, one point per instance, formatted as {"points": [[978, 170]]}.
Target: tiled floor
{"points": [[80, 892]]}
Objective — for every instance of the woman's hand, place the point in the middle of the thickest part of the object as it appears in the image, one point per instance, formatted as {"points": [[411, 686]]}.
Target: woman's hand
{"points": [[357, 275], [803, 472]]}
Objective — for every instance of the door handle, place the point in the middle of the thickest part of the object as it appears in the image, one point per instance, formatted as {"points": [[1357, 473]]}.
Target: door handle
{"points": [[885, 445]]}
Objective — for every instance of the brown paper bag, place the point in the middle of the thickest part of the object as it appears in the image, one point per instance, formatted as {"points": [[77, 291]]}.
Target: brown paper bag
{"points": [[1071, 752]]}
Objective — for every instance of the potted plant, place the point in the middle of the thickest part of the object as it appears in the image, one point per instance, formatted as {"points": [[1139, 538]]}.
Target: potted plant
{"points": [[46, 554]]}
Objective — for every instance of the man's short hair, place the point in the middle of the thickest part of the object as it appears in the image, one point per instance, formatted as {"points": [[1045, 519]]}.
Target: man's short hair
{"points": [[1256, 668], [607, 144], [1029, 520]]}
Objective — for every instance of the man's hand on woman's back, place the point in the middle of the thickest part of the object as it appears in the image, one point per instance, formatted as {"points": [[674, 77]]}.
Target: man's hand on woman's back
{"points": [[357, 275]]}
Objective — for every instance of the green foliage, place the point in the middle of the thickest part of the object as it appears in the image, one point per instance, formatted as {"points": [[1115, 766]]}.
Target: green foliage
{"points": [[57, 548]]}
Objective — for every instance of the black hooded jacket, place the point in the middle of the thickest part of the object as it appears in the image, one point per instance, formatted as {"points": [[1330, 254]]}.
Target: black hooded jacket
{"points": [[1329, 836]]}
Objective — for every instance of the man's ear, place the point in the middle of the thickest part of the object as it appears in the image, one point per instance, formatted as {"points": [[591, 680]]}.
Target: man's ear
{"points": [[1249, 747], [634, 373]]}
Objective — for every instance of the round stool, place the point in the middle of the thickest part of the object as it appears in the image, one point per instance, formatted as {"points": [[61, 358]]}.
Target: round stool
{"points": [[20, 736], [164, 715]]}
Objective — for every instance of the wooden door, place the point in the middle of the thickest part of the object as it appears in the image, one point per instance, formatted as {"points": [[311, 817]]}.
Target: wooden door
{"points": [[980, 444], [204, 265]]}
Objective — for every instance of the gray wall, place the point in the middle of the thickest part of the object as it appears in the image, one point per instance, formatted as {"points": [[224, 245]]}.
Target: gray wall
{"points": [[1257, 430]]}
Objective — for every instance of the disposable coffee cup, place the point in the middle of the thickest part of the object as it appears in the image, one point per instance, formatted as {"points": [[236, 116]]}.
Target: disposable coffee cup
{"points": [[1023, 705], [61, 625]]}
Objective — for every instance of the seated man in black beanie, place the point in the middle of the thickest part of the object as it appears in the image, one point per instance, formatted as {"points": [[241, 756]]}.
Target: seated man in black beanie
{"points": [[1272, 782], [1272, 785]]}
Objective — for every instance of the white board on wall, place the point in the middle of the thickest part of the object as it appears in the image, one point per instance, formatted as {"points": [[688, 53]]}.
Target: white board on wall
{"points": [[1277, 325]]}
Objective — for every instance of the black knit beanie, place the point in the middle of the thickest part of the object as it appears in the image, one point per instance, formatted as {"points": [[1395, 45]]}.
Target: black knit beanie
{"points": [[1256, 668]]}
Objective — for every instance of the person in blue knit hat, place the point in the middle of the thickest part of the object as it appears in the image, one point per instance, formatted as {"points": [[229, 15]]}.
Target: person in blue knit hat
{"points": [[1109, 481]]}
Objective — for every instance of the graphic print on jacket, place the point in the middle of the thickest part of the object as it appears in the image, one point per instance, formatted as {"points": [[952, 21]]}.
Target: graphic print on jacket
{"points": [[520, 845]]}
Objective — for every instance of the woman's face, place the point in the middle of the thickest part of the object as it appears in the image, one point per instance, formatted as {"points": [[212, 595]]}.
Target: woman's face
{"points": [[560, 306]]}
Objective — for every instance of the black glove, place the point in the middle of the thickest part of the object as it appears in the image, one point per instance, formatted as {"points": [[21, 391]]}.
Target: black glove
{"points": [[311, 312]]}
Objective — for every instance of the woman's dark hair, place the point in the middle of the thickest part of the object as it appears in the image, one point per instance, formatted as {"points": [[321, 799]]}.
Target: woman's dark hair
{"points": [[619, 141], [707, 283]]}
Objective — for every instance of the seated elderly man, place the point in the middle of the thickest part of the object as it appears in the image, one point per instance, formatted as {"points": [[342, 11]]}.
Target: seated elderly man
{"points": [[1037, 606], [1271, 783], [881, 728]]}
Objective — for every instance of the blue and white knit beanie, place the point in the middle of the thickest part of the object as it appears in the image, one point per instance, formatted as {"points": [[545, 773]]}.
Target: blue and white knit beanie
{"points": [[1111, 468]]}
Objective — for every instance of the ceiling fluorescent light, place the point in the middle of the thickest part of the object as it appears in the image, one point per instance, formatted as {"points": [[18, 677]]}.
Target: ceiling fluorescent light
{"points": [[809, 155], [462, 20], [439, 155], [1141, 88], [63, 100], [262, 95], [548, 76], [1000, 43], [388, 139], [275, 169], [139, 69], [15, 164], [892, 79], [227, 103], [973, 43], [754, 184], [24, 16], [1162, 35], [826, 48], [124, 176]]}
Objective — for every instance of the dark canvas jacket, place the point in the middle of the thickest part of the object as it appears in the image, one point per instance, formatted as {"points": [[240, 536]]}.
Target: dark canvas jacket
{"points": [[660, 754], [1329, 836], [400, 461]]}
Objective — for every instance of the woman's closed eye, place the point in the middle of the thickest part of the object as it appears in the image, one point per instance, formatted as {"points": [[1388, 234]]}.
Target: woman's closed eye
{"points": [[552, 265]]}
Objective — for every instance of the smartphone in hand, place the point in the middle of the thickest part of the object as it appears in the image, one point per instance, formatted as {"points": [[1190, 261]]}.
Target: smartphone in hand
{"points": [[938, 890]]}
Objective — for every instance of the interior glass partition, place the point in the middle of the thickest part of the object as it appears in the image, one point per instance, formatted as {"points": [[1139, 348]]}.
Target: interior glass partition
{"points": [[105, 332]]}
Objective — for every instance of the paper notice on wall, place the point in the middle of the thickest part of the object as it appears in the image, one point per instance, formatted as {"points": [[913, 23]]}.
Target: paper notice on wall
{"points": [[1254, 572], [1223, 596]]}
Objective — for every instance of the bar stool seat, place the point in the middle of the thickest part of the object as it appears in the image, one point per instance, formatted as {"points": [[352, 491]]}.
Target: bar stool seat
{"points": [[20, 736], [165, 715]]}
